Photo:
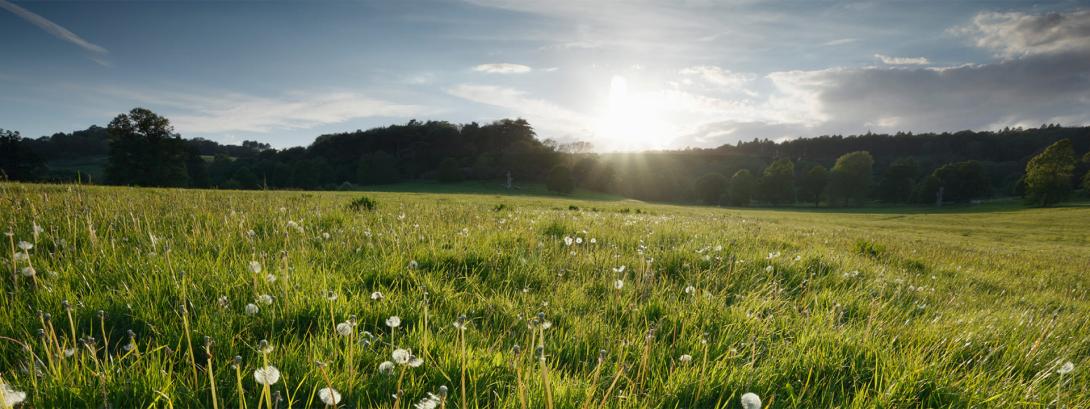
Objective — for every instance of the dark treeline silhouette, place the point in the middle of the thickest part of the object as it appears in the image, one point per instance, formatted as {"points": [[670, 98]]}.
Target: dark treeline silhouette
{"points": [[141, 148]]}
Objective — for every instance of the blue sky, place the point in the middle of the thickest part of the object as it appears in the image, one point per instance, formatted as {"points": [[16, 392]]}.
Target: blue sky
{"points": [[623, 75]]}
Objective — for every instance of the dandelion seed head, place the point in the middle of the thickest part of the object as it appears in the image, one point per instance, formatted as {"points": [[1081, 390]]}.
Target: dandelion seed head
{"points": [[750, 400], [429, 402], [12, 396], [393, 322], [25, 245], [1066, 368], [401, 356], [618, 284], [685, 359], [329, 396], [268, 375], [252, 309], [265, 299], [386, 368], [377, 296], [344, 329], [255, 267]]}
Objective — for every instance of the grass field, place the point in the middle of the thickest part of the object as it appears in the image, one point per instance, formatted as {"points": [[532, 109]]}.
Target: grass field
{"points": [[612, 304]]}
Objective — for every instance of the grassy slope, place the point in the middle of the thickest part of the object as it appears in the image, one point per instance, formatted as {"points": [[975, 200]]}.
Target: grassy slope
{"points": [[951, 309]]}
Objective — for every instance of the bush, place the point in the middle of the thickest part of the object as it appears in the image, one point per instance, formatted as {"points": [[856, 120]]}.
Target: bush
{"points": [[363, 203]]}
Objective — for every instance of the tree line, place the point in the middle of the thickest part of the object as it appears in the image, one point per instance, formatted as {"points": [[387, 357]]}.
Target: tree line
{"points": [[141, 148]]}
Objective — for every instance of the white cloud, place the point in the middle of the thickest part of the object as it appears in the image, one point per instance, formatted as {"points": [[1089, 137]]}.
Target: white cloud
{"points": [[902, 60], [718, 76], [839, 41], [502, 68], [57, 31], [1016, 34], [541, 113], [233, 112]]}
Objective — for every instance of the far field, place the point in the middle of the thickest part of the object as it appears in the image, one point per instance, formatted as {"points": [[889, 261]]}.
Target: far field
{"points": [[634, 305]]}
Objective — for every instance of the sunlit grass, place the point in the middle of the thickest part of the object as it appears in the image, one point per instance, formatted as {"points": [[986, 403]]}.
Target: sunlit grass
{"points": [[802, 309]]}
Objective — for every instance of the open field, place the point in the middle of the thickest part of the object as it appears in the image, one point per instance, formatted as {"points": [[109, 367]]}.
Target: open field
{"points": [[891, 309]]}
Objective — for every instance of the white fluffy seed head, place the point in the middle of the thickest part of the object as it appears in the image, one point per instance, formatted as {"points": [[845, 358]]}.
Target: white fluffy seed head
{"points": [[12, 397], [750, 400], [344, 329], [329, 396], [252, 309], [1066, 368], [386, 368], [255, 267], [401, 356], [268, 375], [393, 321]]}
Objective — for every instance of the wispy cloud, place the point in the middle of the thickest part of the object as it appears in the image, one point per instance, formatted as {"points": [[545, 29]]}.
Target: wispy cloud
{"points": [[503, 68], [234, 112], [541, 113], [840, 41], [902, 60], [1018, 34], [98, 52]]}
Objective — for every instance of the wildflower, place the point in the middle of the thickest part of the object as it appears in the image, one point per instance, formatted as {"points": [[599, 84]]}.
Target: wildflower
{"points": [[326, 237], [429, 402], [568, 241], [685, 359], [265, 299], [251, 233], [344, 329], [618, 269], [750, 400], [68, 352], [223, 301], [393, 322], [268, 375], [770, 269], [690, 290], [11, 396], [271, 278], [29, 271], [386, 368], [1066, 368], [21, 257], [578, 240], [460, 323], [331, 295], [252, 309], [619, 284], [377, 296], [593, 240], [329, 396], [25, 245], [413, 264]]}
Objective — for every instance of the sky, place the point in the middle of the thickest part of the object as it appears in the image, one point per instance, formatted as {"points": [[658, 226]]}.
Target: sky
{"points": [[623, 75]]}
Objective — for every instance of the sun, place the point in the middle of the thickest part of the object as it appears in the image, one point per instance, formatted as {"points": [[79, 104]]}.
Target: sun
{"points": [[631, 120]]}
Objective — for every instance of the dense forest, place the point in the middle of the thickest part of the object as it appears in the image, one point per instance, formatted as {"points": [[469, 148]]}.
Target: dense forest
{"points": [[141, 148]]}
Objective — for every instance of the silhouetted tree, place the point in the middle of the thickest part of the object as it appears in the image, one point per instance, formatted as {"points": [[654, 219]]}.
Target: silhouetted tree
{"points": [[777, 184], [898, 181], [812, 184], [1048, 175], [450, 171], [741, 188], [377, 168], [962, 181], [560, 180], [145, 151], [710, 188], [850, 178], [17, 160]]}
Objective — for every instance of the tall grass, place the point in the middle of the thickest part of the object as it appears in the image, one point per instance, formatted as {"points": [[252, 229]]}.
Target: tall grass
{"points": [[803, 309]]}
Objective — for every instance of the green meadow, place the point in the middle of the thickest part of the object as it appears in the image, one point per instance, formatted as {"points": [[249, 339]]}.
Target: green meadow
{"points": [[137, 297]]}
